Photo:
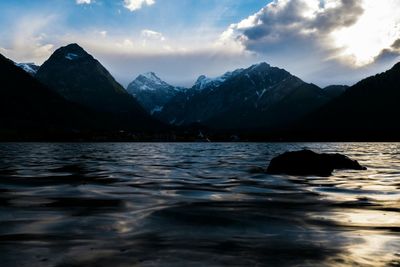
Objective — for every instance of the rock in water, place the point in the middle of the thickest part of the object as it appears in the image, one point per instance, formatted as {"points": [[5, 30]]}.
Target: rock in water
{"points": [[307, 162]]}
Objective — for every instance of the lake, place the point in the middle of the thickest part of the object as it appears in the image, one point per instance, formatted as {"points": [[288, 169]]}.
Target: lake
{"points": [[194, 204]]}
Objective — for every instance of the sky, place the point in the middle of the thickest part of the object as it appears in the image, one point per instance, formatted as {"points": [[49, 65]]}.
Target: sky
{"points": [[321, 41]]}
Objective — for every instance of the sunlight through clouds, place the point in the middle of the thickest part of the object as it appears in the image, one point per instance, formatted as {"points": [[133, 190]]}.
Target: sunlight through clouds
{"points": [[354, 32], [377, 29]]}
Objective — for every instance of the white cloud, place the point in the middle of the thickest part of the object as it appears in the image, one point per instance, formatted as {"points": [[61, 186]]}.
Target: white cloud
{"points": [[330, 39], [133, 5], [80, 2], [103, 33], [149, 34]]}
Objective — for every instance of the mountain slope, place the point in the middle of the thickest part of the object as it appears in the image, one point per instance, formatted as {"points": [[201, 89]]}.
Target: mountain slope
{"points": [[368, 110], [335, 90], [152, 92], [80, 78], [260, 96]]}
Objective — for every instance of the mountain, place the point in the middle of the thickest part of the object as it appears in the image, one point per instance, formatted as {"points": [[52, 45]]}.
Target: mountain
{"points": [[366, 111], [152, 92], [204, 82], [80, 78], [30, 109], [30, 68], [335, 90], [259, 97]]}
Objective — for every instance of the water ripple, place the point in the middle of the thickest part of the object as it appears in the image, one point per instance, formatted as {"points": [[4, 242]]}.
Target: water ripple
{"points": [[158, 204]]}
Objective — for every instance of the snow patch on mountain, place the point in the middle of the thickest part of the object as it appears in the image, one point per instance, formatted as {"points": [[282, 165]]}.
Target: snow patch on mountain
{"points": [[152, 77], [71, 56], [260, 95], [205, 82], [30, 68], [156, 109]]}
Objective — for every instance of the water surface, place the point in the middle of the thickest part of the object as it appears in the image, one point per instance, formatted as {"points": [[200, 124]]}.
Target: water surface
{"points": [[146, 204]]}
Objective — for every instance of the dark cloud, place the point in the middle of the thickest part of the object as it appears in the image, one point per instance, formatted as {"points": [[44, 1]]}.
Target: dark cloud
{"points": [[344, 15], [387, 55], [396, 44]]}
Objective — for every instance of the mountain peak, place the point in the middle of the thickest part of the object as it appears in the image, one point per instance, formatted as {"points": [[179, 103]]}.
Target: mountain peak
{"points": [[151, 76], [80, 78], [152, 92], [261, 65], [71, 52], [73, 46], [202, 82], [200, 79]]}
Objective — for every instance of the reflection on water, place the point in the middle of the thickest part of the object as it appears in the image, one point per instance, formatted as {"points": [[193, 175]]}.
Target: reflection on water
{"points": [[194, 204]]}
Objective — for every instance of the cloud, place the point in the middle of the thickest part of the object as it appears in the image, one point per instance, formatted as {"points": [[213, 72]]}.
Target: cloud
{"points": [[153, 35], [80, 2], [103, 33], [178, 61], [133, 5], [396, 44], [28, 40], [324, 38], [177, 67]]}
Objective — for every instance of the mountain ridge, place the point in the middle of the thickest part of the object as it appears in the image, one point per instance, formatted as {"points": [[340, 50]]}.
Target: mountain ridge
{"points": [[241, 99], [260, 100], [366, 110]]}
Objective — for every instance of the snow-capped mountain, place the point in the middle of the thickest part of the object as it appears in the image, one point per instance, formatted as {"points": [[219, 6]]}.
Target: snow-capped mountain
{"points": [[204, 82], [152, 92], [260, 96], [30, 68]]}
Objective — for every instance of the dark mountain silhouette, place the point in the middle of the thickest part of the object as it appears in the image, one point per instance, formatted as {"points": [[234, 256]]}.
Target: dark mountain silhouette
{"points": [[28, 108], [259, 97], [80, 78], [366, 111]]}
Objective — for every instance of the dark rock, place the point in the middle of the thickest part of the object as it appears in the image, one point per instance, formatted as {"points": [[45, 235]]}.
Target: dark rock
{"points": [[307, 162]]}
